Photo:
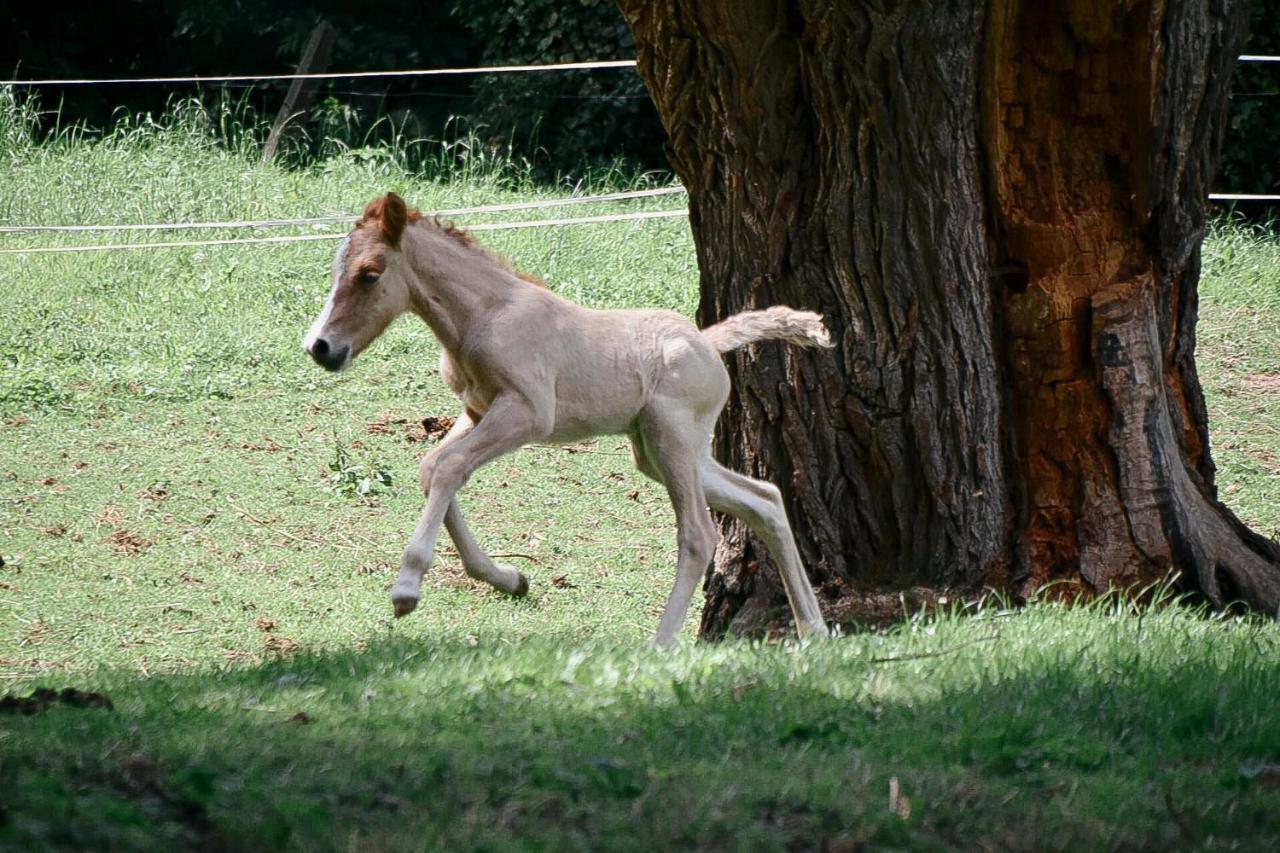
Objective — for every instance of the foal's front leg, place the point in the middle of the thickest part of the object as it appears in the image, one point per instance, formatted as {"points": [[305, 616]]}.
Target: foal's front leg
{"points": [[475, 561], [507, 425]]}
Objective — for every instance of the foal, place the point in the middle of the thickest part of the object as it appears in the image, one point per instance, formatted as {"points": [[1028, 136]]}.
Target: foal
{"points": [[531, 366]]}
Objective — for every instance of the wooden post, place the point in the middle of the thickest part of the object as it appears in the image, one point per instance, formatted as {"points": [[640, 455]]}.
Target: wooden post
{"points": [[315, 59]]}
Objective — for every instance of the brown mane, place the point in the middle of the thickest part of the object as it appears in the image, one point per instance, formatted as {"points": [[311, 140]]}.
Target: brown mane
{"points": [[385, 209], [466, 241]]}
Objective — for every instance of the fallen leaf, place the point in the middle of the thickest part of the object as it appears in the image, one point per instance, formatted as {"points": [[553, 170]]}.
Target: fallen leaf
{"points": [[562, 582], [384, 423], [125, 542], [266, 623]]}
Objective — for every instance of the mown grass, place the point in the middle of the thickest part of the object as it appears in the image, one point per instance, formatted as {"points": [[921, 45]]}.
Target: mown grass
{"points": [[175, 535]]}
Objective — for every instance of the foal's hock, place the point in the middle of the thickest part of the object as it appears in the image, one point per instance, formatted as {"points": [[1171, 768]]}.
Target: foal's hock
{"points": [[531, 366]]}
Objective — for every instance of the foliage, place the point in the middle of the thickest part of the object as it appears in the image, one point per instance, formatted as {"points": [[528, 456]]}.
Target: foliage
{"points": [[19, 123], [588, 115], [1249, 161], [355, 478], [560, 121]]}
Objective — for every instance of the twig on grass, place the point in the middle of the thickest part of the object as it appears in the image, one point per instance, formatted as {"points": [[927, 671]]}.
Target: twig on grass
{"points": [[246, 514], [449, 552], [528, 557], [938, 654]]}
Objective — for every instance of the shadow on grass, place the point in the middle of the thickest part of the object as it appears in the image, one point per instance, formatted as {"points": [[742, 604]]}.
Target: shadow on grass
{"points": [[457, 746]]}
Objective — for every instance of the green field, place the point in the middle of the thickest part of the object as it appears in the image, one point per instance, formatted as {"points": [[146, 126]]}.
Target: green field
{"points": [[197, 521]]}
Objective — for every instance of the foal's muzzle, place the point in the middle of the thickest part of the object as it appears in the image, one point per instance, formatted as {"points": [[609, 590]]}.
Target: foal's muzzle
{"points": [[327, 357]]}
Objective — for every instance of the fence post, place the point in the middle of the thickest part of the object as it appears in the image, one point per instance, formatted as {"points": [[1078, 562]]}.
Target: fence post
{"points": [[315, 59]]}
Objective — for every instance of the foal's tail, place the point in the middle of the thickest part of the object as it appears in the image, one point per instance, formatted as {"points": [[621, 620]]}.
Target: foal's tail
{"points": [[803, 328]]}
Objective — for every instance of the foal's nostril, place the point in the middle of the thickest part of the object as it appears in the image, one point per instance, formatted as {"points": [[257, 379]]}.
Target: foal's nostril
{"points": [[326, 356], [320, 352]]}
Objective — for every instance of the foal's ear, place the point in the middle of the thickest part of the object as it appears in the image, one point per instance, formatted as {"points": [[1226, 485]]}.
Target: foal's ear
{"points": [[391, 214], [394, 216]]}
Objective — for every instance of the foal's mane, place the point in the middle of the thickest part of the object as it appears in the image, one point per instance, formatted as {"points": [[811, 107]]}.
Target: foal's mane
{"points": [[377, 210]]}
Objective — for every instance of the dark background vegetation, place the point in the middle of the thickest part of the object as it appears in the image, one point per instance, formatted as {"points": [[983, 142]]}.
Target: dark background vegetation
{"points": [[559, 121], [1251, 150]]}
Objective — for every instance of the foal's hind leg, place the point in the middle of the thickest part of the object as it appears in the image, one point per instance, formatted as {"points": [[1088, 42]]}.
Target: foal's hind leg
{"points": [[475, 561], [668, 452], [760, 505]]}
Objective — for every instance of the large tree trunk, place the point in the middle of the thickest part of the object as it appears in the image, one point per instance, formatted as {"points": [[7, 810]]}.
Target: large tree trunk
{"points": [[998, 208]]}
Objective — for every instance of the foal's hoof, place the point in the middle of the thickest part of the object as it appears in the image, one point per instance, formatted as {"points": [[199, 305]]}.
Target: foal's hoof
{"points": [[816, 631], [403, 606]]}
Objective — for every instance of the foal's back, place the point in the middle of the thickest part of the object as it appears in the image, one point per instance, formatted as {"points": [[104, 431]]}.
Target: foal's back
{"points": [[604, 366]]}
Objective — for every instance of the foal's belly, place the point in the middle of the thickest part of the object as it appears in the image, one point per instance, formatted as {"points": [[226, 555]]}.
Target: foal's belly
{"points": [[585, 409]]}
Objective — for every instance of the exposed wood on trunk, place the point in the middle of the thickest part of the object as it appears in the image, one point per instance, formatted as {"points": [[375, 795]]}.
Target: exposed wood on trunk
{"points": [[1171, 520]]}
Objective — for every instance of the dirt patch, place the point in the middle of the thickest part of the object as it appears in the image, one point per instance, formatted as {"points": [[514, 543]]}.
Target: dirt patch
{"points": [[1263, 383], [111, 517], [430, 428]]}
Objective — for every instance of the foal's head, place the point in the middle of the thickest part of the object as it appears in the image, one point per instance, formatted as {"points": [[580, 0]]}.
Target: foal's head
{"points": [[370, 285]]}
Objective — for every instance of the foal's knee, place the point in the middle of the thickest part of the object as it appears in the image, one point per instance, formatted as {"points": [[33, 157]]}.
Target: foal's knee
{"points": [[429, 468], [699, 544], [776, 513], [425, 467], [441, 470]]}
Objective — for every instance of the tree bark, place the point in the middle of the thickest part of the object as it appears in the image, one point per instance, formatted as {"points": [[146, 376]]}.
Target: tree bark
{"points": [[998, 208]]}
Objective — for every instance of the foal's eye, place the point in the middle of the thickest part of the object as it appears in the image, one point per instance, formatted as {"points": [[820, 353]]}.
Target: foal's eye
{"points": [[368, 277]]}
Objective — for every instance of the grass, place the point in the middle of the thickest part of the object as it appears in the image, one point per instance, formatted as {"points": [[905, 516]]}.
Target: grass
{"points": [[186, 528], [1239, 366], [1049, 728]]}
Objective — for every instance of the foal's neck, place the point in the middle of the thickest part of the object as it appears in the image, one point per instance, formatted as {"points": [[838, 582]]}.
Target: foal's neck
{"points": [[454, 286]]}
